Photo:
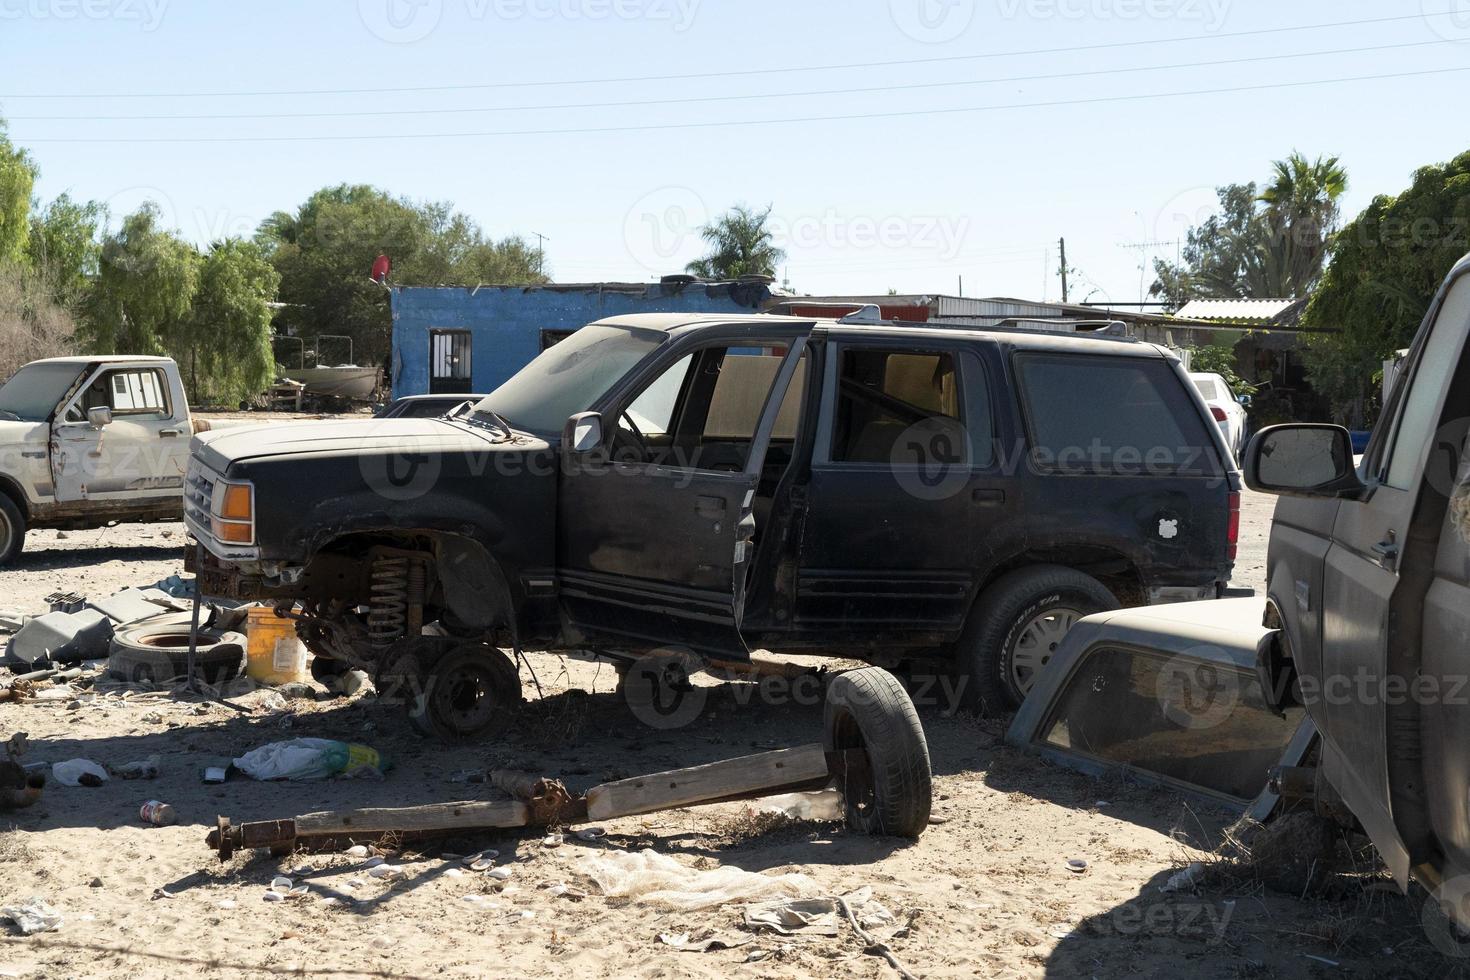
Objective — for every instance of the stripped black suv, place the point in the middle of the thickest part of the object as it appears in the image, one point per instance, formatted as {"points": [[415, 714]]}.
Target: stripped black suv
{"points": [[723, 484]]}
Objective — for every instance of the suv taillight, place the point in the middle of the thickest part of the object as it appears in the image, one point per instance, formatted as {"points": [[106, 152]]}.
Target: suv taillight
{"points": [[1218, 413], [1232, 528]]}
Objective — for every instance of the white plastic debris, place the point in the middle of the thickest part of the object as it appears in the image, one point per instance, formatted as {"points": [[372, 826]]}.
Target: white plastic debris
{"points": [[826, 804], [486, 855], [282, 885], [77, 772], [719, 940], [273, 897], [658, 880], [454, 872], [1076, 865], [552, 840], [1184, 879], [385, 873], [357, 851], [227, 903], [499, 874], [32, 916], [591, 833]]}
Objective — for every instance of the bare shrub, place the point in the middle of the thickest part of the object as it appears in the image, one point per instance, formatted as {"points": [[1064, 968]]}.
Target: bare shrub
{"points": [[32, 324]]}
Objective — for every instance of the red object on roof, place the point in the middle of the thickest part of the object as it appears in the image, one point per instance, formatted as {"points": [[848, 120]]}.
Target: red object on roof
{"points": [[381, 267]]}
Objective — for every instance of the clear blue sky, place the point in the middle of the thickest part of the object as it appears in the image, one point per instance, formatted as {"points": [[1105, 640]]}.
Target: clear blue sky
{"points": [[910, 198]]}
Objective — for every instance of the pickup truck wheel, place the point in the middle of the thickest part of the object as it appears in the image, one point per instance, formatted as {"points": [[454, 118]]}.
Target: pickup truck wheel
{"points": [[890, 791], [1016, 626], [465, 692], [12, 530]]}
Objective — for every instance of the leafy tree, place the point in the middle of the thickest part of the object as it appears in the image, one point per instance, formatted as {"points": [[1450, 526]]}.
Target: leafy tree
{"points": [[63, 244], [740, 245], [224, 349], [17, 177], [1220, 359], [325, 250], [145, 287], [1386, 266], [1302, 210]]}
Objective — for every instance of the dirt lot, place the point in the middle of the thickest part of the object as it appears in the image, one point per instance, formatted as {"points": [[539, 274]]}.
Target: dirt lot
{"points": [[986, 891]]}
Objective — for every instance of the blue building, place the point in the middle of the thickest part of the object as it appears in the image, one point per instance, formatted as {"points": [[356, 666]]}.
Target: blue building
{"points": [[458, 339]]}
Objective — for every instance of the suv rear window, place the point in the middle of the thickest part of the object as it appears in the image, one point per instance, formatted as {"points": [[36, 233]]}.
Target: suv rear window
{"points": [[1118, 415]]}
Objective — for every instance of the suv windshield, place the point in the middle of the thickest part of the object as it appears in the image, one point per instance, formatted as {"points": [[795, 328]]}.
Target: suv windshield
{"points": [[32, 392], [570, 377]]}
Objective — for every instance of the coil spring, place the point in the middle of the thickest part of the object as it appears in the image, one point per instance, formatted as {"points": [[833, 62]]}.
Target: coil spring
{"points": [[387, 618]]}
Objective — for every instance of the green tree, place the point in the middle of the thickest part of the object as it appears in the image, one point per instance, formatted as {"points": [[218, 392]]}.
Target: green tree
{"points": [[325, 250], [145, 287], [224, 348], [64, 247], [1220, 359], [1385, 268], [17, 178], [740, 244]]}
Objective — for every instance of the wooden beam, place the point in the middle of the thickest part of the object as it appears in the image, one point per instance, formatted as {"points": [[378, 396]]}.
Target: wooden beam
{"points": [[436, 816], [765, 774]]}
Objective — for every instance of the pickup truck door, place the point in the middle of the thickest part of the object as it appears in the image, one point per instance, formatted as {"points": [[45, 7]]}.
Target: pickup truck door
{"points": [[1371, 600], [141, 455], [654, 549]]}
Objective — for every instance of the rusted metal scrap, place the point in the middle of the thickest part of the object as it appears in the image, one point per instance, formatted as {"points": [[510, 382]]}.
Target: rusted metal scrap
{"points": [[549, 802]]}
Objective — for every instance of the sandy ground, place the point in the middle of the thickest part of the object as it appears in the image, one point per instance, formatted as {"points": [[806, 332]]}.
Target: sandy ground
{"points": [[986, 891]]}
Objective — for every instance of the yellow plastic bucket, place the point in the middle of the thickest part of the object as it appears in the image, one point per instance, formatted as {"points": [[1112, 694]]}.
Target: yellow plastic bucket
{"points": [[274, 654]]}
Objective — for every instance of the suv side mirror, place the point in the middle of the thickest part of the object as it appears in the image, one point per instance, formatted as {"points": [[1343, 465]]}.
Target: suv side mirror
{"points": [[1302, 460], [583, 432], [99, 415]]}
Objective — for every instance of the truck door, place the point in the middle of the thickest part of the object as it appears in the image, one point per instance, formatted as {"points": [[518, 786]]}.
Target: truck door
{"points": [[1366, 603], [140, 455], [657, 532]]}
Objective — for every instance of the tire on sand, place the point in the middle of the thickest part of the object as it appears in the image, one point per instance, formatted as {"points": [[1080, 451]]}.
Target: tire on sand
{"points": [[12, 530], [993, 654], [868, 709], [158, 653]]}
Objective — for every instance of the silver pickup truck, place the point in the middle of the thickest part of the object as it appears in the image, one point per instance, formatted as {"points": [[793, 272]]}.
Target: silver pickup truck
{"points": [[90, 441]]}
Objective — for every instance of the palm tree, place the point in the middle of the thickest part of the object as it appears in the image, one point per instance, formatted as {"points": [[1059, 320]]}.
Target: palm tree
{"points": [[1302, 215], [740, 245]]}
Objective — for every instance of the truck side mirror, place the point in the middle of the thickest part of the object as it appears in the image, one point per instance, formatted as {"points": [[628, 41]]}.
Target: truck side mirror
{"points": [[583, 432], [99, 416], [1302, 460]]}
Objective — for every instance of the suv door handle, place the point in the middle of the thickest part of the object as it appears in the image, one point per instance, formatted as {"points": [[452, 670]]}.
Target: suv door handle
{"points": [[988, 496], [1387, 552], [169, 433]]}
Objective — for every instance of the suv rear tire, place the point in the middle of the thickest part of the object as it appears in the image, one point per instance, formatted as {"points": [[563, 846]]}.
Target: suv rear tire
{"points": [[1015, 627], [12, 530]]}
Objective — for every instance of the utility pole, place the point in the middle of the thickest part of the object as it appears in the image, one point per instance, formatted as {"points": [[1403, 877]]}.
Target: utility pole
{"points": [[1063, 244], [961, 285], [541, 241]]}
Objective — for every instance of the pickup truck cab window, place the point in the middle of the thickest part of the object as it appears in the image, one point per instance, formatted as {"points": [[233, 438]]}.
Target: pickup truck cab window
{"points": [[135, 393], [32, 393]]}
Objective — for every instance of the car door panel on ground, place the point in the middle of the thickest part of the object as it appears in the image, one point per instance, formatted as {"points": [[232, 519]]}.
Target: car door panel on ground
{"points": [[139, 456], [905, 484], [655, 540]]}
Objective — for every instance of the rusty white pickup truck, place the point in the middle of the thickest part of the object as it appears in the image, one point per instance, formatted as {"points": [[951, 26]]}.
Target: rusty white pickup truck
{"points": [[90, 441]]}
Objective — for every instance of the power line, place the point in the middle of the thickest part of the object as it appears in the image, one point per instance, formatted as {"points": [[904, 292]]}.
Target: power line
{"points": [[713, 124], [868, 65], [725, 98]]}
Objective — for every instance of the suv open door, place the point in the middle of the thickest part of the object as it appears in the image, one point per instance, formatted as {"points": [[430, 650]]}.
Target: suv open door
{"points": [[662, 493]]}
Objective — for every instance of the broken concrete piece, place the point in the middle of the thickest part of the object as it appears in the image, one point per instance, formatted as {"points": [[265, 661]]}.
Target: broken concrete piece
{"points": [[128, 606], [62, 638]]}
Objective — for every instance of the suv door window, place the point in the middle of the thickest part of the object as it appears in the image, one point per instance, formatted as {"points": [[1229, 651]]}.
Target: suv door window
{"points": [[1422, 399], [883, 394], [132, 393], [1112, 415]]}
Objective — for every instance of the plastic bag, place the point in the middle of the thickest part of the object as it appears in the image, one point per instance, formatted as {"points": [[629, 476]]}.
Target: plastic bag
{"points": [[79, 772], [32, 916], [310, 758], [657, 879]]}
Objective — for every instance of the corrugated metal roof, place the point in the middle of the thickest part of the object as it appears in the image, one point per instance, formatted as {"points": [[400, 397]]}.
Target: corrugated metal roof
{"points": [[1235, 310]]}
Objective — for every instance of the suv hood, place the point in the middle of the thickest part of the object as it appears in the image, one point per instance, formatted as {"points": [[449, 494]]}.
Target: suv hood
{"points": [[219, 449]]}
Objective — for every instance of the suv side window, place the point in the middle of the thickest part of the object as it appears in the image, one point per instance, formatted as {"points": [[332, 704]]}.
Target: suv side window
{"points": [[137, 393], [1112, 414], [1425, 391], [881, 394]]}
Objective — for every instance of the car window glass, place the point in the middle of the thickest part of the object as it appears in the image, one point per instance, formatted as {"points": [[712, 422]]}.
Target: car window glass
{"points": [[1419, 415], [1198, 722], [740, 393], [1113, 414], [135, 393], [883, 394], [1207, 389], [653, 410]]}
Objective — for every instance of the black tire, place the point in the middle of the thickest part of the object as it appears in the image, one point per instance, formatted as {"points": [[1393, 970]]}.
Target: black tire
{"points": [[158, 653], [464, 693], [987, 652], [12, 530], [868, 709]]}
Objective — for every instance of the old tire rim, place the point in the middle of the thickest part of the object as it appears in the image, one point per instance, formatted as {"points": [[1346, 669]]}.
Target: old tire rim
{"points": [[461, 699], [1036, 642]]}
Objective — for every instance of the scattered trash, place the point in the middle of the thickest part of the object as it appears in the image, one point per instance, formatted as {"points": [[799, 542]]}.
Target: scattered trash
{"points": [[458, 872], [333, 902], [719, 940], [153, 718], [479, 856], [1185, 879], [142, 769], [1076, 865], [371, 862], [310, 758], [65, 602], [158, 813], [61, 638], [281, 884], [591, 833], [297, 691], [384, 872], [810, 917], [657, 879], [484, 864], [216, 774], [560, 890], [499, 874], [273, 897], [159, 893], [552, 840], [126, 607], [79, 772], [32, 916], [357, 851], [826, 804]]}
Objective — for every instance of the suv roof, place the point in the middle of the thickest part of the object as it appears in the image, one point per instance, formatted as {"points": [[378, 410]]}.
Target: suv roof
{"points": [[1043, 342]]}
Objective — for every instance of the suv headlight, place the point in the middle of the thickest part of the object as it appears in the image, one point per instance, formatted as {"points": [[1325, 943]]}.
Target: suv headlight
{"points": [[232, 512]]}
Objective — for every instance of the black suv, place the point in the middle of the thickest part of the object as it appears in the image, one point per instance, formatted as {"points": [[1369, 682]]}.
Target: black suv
{"points": [[728, 483]]}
